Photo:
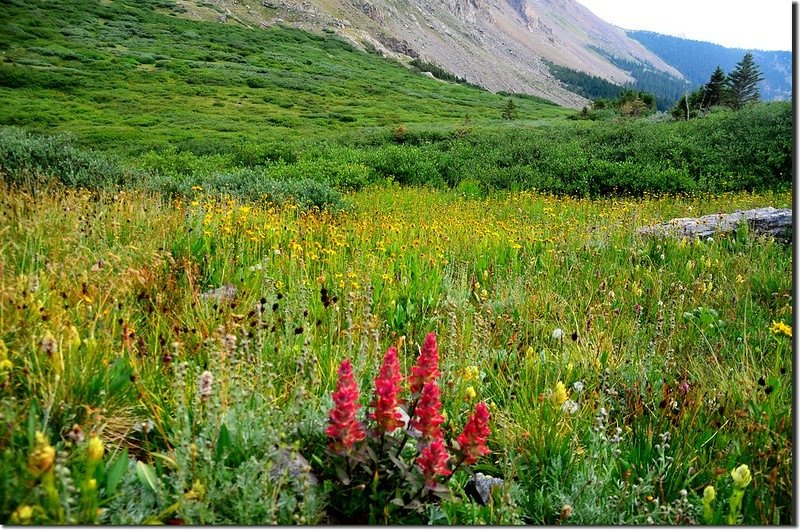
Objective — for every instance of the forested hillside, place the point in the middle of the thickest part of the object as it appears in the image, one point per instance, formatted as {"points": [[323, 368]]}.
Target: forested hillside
{"points": [[697, 60]]}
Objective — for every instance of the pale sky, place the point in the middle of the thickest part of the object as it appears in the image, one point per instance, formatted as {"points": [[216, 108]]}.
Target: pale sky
{"points": [[759, 24]]}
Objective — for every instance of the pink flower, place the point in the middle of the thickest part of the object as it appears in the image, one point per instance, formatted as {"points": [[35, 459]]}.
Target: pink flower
{"points": [[433, 462], [343, 426], [387, 386], [427, 418], [473, 439], [427, 367]]}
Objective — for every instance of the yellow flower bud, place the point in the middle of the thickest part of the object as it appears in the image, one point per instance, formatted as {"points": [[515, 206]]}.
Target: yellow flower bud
{"points": [[42, 456], [559, 394], [470, 393], [92, 484], [741, 476], [22, 515], [95, 449], [529, 351], [709, 494]]}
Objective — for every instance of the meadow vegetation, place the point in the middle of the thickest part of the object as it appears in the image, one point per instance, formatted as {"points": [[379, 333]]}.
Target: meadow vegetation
{"points": [[225, 247]]}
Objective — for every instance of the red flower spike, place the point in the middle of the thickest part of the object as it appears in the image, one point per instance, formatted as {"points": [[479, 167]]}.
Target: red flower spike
{"points": [[343, 426], [427, 367], [476, 431], [427, 418], [433, 462], [387, 386]]}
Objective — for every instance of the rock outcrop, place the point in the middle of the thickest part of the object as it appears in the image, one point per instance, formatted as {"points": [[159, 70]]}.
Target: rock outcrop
{"points": [[771, 222]]}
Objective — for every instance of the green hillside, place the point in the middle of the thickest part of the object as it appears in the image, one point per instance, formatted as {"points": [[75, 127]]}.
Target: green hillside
{"points": [[132, 75]]}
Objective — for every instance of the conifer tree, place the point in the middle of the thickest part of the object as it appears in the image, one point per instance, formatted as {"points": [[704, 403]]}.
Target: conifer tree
{"points": [[715, 89], [743, 83], [510, 110]]}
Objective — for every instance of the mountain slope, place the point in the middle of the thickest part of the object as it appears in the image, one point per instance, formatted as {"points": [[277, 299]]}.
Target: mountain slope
{"points": [[498, 44], [697, 60], [129, 75]]}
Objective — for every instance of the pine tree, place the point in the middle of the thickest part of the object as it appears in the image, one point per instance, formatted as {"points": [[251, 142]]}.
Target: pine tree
{"points": [[743, 83], [510, 110], [715, 89]]}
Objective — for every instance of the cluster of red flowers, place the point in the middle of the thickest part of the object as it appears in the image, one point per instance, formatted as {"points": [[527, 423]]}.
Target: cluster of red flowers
{"points": [[428, 418], [343, 426], [387, 387], [427, 367], [432, 460], [473, 440]]}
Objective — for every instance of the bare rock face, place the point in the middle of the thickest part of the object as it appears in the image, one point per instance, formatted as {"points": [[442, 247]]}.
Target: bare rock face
{"points": [[772, 222]]}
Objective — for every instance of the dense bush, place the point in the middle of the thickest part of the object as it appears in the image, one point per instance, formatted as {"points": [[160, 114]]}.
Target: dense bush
{"points": [[32, 161]]}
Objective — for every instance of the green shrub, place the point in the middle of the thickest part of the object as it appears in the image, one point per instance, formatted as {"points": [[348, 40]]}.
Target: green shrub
{"points": [[32, 161]]}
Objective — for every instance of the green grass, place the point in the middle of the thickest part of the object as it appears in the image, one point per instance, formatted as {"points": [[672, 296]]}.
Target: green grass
{"points": [[123, 75]]}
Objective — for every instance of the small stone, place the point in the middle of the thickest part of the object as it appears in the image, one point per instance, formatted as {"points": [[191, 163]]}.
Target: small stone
{"points": [[294, 465], [226, 293], [479, 488]]}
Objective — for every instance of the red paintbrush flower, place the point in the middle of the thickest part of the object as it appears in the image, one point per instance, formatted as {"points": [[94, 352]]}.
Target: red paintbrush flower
{"points": [[427, 367], [343, 426], [476, 431], [387, 386], [433, 462], [427, 418]]}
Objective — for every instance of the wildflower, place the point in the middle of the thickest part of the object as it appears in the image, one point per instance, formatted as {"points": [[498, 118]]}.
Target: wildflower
{"points": [[387, 386], [741, 476], [343, 426], [473, 440], [22, 515], [570, 407], [566, 512], [42, 456], [470, 393], [428, 418], [578, 386], [49, 345], [76, 434], [709, 494], [95, 449], [529, 351], [780, 327], [433, 462], [558, 333], [205, 386], [472, 372], [427, 367], [559, 394]]}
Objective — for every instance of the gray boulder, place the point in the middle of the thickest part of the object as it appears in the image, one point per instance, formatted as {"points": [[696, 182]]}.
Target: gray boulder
{"points": [[771, 222], [479, 487]]}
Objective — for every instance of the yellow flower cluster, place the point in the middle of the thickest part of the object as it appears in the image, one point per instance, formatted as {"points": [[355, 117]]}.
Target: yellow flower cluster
{"points": [[780, 327]]}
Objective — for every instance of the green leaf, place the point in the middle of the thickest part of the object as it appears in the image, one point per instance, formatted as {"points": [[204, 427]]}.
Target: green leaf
{"points": [[224, 443], [147, 476], [115, 473]]}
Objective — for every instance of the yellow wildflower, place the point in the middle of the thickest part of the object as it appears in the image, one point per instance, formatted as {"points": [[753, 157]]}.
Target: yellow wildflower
{"points": [[22, 515], [95, 449], [709, 494], [470, 393], [559, 394], [780, 327], [42, 456], [741, 476]]}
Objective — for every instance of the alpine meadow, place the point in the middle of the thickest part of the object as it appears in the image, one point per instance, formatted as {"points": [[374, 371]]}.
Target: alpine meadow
{"points": [[259, 274]]}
